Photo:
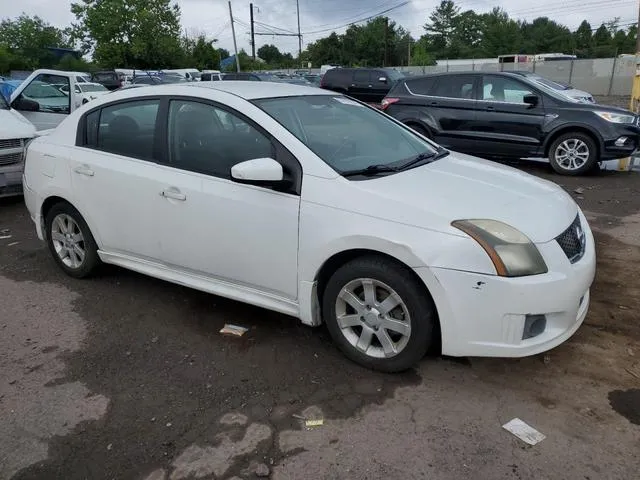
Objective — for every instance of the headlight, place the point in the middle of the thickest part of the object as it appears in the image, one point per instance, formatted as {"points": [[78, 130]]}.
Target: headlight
{"points": [[616, 117], [511, 251]]}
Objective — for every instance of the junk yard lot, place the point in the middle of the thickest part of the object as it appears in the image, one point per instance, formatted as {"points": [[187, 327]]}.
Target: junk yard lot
{"points": [[127, 377]]}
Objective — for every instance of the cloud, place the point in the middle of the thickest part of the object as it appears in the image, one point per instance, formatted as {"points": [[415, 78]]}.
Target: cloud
{"points": [[211, 17]]}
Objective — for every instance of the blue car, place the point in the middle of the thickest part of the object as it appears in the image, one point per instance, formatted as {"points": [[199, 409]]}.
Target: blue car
{"points": [[7, 87]]}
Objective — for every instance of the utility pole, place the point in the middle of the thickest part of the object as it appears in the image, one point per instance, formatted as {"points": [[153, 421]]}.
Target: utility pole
{"points": [[638, 34], [253, 37], [409, 56], [386, 34], [233, 31], [299, 34]]}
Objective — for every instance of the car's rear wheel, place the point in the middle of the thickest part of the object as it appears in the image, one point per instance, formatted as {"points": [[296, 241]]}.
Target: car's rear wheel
{"points": [[70, 241], [573, 153], [378, 314]]}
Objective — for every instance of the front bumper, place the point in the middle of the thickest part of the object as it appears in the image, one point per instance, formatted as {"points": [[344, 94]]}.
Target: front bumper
{"points": [[11, 179], [485, 315], [612, 150]]}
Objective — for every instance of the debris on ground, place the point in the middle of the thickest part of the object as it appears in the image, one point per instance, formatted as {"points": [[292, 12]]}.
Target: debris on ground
{"points": [[4, 237], [262, 470], [236, 330], [579, 190], [546, 359], [524, 432], [12, 244], [634, 371], [314, 423], [110, 446]]}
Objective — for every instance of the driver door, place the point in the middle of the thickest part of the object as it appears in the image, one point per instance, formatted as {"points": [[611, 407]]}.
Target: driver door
{"points": [[212, 226], [45, 101]]}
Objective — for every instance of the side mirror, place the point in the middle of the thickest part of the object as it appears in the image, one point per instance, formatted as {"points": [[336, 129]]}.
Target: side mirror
{"points": [[382, 79], [531, 100], [25, 105], [259, 171]]}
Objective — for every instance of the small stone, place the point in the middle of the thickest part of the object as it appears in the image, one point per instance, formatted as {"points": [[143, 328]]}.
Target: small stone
{"points": [[579, 190], [262, 470], [580, 197], [154, 340], [12, 382], [546, 359], [127, 353], [169, 424], [622, 307], [630, 351], [153, 419], [110, 446]]}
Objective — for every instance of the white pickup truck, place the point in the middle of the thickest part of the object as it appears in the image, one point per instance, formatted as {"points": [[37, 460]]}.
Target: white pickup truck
{"points": [[38, 104]]}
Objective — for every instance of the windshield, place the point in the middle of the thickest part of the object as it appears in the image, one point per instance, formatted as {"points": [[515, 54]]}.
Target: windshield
{"points": [[345, 134], [550, 83], [93, 88], [552, 92], [42, 90]]}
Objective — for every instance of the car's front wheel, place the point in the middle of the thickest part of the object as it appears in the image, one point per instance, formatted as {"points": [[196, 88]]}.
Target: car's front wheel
{"points": [[573, 153], [379, 314], [70, 241]]}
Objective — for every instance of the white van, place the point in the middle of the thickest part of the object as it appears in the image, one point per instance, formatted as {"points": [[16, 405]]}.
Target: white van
{"points": [[191, 74], [15, 133]]}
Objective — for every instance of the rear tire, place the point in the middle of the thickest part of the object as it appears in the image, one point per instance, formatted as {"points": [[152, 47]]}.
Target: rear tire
{"points": [[378, 314], [70, 241], [573, 153]]}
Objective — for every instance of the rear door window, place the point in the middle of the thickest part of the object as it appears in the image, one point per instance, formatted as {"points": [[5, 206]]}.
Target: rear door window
{"points": [[362, 76], [455, 86], [421, 86]]}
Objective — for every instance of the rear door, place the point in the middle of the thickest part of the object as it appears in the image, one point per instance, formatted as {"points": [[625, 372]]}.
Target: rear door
{"points": [[380, 85], [452, 106], [506, 126]]}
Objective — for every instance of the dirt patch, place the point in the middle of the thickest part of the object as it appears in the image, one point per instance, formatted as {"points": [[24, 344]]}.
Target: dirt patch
{"points": [[627, 404]]}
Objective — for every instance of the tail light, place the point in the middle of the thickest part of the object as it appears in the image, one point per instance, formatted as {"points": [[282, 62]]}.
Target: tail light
{"points": [[388, 101], [322, 81]]}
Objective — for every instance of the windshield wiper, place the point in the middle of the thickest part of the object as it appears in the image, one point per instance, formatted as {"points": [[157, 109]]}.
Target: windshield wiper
{"points": [[370, 171], [423, 158]]}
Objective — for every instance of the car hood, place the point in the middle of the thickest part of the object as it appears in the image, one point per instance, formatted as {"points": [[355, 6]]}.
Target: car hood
{"points": [[577, 94], [462, 187], [14, 125]]}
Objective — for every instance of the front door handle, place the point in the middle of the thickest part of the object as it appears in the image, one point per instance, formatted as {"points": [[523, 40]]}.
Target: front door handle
{"points": [[84, 170], [433, 104], [173, 195], [491, 108]]}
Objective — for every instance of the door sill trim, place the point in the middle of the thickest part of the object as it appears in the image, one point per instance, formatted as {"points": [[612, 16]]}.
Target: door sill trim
{"points": [[203, 283]]}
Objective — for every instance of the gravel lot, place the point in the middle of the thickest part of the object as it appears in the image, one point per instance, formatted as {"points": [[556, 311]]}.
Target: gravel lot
{"points": [[126, 377]]}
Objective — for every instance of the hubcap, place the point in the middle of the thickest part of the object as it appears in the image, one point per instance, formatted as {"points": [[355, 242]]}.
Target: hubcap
{"points": [[373, 318], [572, 154], [68, 241]]}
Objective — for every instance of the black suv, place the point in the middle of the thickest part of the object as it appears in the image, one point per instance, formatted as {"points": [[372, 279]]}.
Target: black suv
{"points": [[365, 84], [504, 115]]}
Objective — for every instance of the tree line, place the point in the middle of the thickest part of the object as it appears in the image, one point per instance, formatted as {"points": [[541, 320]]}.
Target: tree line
{"points": [[146, 34]]}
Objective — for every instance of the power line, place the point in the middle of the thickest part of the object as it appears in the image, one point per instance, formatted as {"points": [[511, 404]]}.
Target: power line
{"points": [[360, 20]]}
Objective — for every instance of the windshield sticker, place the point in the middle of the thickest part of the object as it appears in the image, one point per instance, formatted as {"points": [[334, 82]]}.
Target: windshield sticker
{"points": [[347, 101]]}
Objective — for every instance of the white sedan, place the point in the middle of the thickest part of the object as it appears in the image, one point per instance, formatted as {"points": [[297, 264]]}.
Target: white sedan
{"points": [[319, 207], [87, 91]]}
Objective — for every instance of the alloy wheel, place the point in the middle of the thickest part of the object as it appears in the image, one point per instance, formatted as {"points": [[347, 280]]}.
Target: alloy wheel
{"points": [[373, 318], [572, 154], [68, 241]]}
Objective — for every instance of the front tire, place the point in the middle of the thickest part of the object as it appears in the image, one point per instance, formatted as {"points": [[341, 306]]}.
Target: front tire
{"points": [[573, 153], [70, 241], [378, 314]]}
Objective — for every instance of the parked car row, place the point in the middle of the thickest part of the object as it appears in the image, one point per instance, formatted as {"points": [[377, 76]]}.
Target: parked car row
{"points": [[392, 241], [502, 115]]}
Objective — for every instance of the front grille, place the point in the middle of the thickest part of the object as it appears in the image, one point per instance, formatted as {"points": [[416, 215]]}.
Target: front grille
{"points": [[11, 158], [11, 143], [573, 241]]}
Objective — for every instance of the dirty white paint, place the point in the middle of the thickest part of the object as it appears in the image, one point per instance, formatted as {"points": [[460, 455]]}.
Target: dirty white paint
{"points": [[33, 336]]}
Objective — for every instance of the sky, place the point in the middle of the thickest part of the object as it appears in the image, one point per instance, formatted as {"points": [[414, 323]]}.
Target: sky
{"points": [[211, 17]]}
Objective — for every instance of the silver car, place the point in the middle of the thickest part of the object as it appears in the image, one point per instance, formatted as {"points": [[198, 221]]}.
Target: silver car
{"points": [[566, 90]]}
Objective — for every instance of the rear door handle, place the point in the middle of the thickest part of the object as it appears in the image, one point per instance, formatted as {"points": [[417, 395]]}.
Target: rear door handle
{"points": [[491, 108], [84, 170], [433, 104], [173, 194]]}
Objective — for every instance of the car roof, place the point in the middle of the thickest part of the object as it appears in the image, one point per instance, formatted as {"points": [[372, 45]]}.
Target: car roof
{"points": [[254, 90], [462, 72]]}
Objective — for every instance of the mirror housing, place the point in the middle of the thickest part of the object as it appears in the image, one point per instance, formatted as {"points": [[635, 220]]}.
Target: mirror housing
{"points": [[259, 171], [531, 100], [25, 105]]}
